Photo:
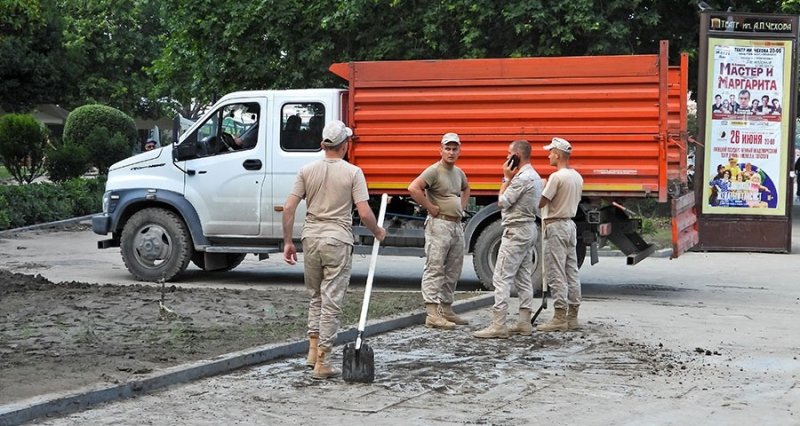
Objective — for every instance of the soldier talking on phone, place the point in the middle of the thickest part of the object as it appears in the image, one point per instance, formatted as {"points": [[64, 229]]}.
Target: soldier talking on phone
{"points": [[518, 200]]}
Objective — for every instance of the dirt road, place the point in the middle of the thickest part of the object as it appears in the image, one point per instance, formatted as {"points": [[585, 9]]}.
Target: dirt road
{"points": [[708, 338]]}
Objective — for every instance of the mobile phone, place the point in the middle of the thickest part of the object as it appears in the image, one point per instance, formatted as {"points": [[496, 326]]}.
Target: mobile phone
{"points": [[513, 162]]}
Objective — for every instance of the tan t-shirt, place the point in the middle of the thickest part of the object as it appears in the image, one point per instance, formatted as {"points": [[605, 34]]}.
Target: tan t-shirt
{"points": [[563, 189], [444, 187], [330, 188]]}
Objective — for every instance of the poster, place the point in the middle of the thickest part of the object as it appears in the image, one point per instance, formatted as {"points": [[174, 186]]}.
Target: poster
{"points": [[747, 126]]}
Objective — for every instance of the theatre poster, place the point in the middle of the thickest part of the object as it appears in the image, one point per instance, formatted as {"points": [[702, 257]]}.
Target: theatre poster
{"points": [[747, 126]]}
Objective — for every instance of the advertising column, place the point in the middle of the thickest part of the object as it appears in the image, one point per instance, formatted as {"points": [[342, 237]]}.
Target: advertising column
{"points": [[748, 97]]}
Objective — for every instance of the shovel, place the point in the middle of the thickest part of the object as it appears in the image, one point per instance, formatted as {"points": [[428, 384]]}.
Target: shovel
{"points": [[358, 360], [544, 281]]}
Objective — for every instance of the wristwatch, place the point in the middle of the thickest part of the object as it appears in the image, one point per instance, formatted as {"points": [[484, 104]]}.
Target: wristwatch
{"points": [[503, 180]]}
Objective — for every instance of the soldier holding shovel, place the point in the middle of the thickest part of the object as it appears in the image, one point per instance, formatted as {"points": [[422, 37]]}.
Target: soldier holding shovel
{"points": [[330, 187]]}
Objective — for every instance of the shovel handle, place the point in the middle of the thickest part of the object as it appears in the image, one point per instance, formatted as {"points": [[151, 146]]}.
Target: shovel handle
{"points": [[362, 322]]}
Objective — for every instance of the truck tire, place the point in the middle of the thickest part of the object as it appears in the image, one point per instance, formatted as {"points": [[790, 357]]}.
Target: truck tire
{"points": [[485, 256], [232, 261], [155, 245]]}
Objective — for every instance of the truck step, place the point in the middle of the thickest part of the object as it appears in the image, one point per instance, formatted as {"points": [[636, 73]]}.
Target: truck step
{"points": [[239, 249]]}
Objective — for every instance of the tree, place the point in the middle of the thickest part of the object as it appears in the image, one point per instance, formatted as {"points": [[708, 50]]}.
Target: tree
{"points": [[36, 67], [22, 145], [115, 41], [106, 133]]}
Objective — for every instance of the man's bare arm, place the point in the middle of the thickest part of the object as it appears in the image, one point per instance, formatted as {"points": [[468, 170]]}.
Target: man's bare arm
{"points": [[464, 198], [369, 220]]}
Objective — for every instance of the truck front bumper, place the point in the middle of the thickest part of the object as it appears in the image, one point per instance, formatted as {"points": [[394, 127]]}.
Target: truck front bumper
{"points": [[101, 224]]}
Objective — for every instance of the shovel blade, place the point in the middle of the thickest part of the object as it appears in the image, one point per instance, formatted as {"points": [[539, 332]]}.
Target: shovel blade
{"points": [[358, 365]]}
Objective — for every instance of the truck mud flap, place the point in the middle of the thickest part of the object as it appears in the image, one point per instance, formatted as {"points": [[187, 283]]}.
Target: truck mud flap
{"points": [[684, 225]]}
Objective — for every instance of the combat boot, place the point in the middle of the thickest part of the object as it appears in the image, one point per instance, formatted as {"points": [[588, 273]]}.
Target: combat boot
{"points": [[448, 314], [558, 323], [496, 330], [523, 326], [313, 341], [572, 317], [323, 369], [435, 318]]}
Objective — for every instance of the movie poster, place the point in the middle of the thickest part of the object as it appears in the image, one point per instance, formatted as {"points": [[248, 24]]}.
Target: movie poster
{"points": [[746, 127]]}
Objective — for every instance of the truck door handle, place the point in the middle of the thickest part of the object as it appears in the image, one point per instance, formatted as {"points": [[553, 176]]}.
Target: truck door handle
{"points": [[252, 164]]}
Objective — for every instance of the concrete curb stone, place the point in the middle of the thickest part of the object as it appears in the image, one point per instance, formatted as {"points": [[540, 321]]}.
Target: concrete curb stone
{"points": [[48, 225]]}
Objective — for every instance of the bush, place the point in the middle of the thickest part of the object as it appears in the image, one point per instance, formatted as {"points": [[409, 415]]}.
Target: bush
{"points": [[102, 130], [48, 202], [67, 161], [22, 145], [114, 148], [4, 219]]}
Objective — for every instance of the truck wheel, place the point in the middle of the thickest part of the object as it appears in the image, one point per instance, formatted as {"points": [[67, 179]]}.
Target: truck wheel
{"points": [[232, 260], [155, 245], [485, 257]]}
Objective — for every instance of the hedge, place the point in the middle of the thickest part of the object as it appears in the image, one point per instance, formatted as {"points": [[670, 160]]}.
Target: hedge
{"points": [[24, 205]]}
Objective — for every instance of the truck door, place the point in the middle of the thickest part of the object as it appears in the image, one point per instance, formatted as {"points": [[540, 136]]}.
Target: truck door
{"points": [[301, 121], [224, 180]]}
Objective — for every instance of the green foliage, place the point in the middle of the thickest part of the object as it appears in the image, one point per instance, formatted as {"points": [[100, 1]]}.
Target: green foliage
{"points": [[5, 219], [138, 55], [48, 202], [107, 148], [22, 145], [36, 66], [114, 41], [67, 161], [107, 133]]}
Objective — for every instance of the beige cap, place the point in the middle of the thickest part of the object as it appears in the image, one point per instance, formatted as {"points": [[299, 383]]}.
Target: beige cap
{"points": [[335, 132], [560, 144], [451, 137]]}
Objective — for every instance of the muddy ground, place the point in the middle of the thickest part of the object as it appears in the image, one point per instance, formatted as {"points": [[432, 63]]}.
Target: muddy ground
{"points": [[707, 338], [57, 337]]}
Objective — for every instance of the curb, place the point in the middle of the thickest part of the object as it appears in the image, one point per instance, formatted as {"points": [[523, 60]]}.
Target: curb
{"points": [[64, 403], [56, 224]]}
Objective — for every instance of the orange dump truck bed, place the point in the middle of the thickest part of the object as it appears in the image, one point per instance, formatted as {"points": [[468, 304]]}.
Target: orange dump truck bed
{"points": [[625, 116]]}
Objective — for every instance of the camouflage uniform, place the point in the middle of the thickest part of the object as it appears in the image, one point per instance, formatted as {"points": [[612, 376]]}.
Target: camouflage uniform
{"points": [[519, 206], [444, 234], [328, 239]]}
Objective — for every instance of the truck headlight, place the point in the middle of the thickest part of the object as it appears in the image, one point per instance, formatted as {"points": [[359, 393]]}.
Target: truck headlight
{"points": [[109, 201], [106, 201]]}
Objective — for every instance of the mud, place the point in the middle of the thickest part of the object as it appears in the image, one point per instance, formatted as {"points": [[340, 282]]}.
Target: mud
{"points": [[59, 337]]}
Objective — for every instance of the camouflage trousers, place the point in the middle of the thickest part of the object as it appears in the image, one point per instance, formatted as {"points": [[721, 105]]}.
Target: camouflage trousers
{"points": [[444, 258], [561, 263], [514, 266], [327, 264]]}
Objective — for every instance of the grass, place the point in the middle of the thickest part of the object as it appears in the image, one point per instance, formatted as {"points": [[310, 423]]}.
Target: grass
{"points": [[4, 174], [658, 232]]}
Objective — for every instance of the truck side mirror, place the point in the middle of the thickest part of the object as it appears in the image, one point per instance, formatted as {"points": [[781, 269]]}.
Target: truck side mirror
{"points": [[184, 151]]}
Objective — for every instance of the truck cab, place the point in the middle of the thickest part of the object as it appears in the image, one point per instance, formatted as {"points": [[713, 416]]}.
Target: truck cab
{"points": [[216, 195]]}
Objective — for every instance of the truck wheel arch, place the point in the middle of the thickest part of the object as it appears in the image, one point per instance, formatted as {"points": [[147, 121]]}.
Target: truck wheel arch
{"points": [[132, 201]]}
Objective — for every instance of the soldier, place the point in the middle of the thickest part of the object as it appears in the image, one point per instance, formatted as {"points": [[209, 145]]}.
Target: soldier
{"points": [[559, 204], [443, 191], [330, 187], [518, 200]]}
